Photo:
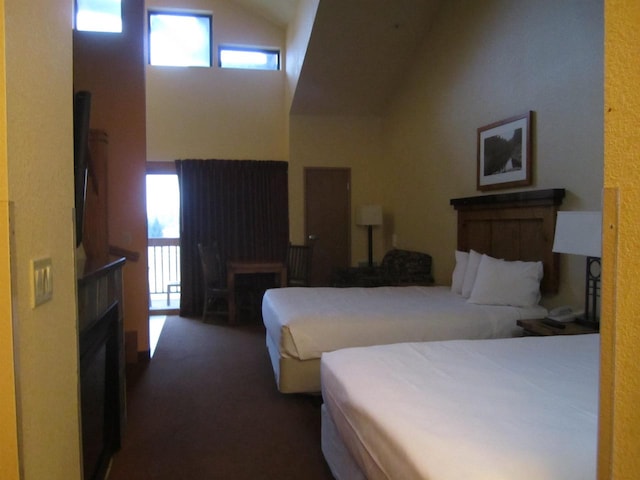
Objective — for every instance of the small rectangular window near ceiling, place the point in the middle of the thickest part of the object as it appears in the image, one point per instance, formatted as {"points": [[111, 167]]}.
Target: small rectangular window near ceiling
{"points": [[179, 39], [249, 58], [99, 16]]}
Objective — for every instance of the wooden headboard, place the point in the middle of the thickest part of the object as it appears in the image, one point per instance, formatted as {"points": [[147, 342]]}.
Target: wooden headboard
{"points": [[513, 226]]}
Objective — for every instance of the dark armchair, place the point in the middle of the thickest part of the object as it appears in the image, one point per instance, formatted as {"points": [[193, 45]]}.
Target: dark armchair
{"points": [[398, 268], [215, 289]]}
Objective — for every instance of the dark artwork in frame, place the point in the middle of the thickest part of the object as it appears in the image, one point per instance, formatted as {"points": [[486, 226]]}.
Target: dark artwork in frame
{"points": [[504, 153]]}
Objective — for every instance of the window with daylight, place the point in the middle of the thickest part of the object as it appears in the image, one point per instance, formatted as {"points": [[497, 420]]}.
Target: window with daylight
{"points": [[179, 39], [249, 58], [99, 15]]}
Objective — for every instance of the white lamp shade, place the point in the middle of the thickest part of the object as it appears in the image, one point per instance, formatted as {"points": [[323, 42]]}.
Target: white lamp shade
{"points": [[369, 215], [579, 233]]}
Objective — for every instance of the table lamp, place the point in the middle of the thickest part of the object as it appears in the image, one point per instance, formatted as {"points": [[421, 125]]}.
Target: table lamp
{"points": [[580, 233], [369, 216]]}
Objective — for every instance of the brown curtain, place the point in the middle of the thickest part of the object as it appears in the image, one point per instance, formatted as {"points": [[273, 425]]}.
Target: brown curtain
{"points": [[243, 205]]}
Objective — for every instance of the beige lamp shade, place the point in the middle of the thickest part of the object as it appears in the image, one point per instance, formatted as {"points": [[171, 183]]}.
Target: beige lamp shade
{"points": [[369, 215], [579, 233]]}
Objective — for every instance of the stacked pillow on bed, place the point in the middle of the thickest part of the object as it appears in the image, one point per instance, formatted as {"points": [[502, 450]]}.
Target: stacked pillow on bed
{"points": [[491, 281]]}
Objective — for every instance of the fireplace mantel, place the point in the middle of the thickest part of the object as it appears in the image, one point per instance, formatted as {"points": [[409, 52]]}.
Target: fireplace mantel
{"points": [[102, 375]]}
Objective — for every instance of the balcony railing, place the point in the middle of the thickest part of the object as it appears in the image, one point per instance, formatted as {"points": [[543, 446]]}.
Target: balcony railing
{"points": [[164, 271]]}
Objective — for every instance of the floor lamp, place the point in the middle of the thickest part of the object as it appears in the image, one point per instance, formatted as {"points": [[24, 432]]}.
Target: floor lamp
{"points": [[369, 216], [580, 233]]}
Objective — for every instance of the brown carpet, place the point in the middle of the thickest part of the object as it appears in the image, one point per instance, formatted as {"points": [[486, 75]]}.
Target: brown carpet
{"points": [[207, 407]]}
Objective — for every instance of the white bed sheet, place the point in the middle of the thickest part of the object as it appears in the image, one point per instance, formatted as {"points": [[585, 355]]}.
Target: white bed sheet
{"points": [[305, 322], [523, 408]]}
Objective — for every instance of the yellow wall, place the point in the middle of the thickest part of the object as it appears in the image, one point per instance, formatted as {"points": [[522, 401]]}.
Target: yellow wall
{"points": [[39, 175], [9, 464], [620, 365], [214, 112]]}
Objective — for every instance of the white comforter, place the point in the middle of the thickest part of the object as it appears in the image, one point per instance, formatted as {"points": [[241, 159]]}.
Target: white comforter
{"points": [[305, 322], [523, 408]]}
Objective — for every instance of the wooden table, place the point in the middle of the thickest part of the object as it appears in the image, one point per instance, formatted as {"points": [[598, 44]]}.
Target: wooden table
{"points": [[240, 267]]}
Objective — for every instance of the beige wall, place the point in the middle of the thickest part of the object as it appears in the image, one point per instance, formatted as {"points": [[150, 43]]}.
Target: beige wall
{"points": [[213, 112], [39, 175], [480, 63], [620, 369], [298, 33]]}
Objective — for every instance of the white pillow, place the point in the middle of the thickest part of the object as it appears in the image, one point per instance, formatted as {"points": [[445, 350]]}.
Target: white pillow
{"points": [[458, 272], [499, 282], [470, 273]]}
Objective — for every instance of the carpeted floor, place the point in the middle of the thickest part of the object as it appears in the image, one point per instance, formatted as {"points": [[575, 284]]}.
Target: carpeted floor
{"points": [[206, 407]]}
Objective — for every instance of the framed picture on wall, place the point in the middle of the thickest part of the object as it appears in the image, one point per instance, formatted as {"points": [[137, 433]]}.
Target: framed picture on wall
{"points": [[504, 153]]}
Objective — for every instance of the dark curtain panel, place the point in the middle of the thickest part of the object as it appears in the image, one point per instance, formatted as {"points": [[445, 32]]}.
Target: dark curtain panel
{"points": [[241, 204]]}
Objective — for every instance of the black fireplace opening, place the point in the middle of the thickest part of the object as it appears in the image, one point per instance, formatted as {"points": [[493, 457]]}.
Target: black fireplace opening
{"points": [[100, 393]]}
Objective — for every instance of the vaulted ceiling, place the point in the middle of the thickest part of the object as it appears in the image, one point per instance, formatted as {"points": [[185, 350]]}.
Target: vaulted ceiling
{"points": [[357, 53], [280, 12]]}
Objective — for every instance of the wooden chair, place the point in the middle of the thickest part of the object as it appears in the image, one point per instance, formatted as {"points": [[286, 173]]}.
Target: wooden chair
{"points": [[215, 283], [299, 265]]}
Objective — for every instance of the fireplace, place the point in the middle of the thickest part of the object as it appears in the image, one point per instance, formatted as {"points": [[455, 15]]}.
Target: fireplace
{"points": [[102, 387]]}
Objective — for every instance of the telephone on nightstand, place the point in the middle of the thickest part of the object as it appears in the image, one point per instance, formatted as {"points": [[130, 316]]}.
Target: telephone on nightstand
{"points": [[560, 315]]}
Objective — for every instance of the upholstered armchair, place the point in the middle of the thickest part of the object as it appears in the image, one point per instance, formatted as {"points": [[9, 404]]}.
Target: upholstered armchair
{"points": [[398, 268]]}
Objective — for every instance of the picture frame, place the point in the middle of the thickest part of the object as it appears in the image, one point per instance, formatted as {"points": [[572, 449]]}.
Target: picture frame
{"points": [[504, 153]]}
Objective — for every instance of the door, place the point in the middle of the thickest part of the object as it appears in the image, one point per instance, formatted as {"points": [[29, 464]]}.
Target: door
{"points": [[327, 204], [163, 237]]}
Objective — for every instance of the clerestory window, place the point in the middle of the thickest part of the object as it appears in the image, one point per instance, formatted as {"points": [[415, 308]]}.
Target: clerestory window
{"points": [[179, 39], [249, 58], [98, 15]]}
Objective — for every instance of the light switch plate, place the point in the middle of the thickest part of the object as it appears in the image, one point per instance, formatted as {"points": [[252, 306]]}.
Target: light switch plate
{"points": [[42, 276]]}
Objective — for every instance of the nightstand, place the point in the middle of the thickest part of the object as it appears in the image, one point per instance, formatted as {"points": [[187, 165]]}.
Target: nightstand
{"points": [[537, 328]]}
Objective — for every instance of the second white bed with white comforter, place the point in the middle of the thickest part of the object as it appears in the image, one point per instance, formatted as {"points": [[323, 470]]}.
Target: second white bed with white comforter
{"points": [[523, 408]]}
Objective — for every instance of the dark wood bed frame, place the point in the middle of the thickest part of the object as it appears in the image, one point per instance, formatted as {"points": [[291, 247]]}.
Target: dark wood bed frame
{"points": [[513, 226]]}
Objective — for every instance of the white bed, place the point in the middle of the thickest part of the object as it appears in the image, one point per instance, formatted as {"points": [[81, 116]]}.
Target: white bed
{"points": [[519, 227], [524, 408], [302, 323]]}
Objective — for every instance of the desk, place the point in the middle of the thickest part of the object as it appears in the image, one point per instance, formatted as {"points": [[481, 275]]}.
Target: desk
{"points": [[239, 267]]}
